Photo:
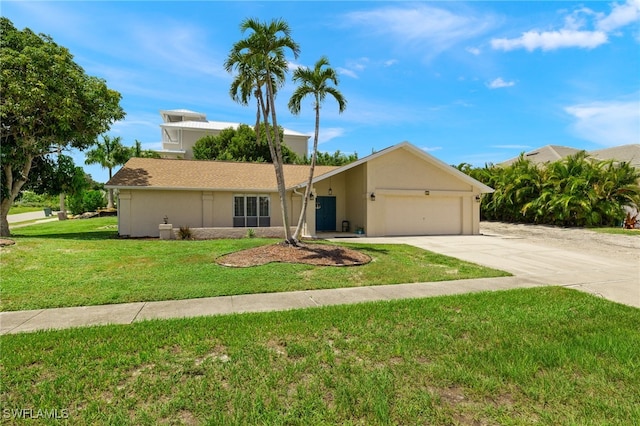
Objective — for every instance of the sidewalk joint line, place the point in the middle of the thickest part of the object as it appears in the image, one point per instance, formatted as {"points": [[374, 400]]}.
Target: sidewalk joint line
{"points": [[23, 322], [135, 317]]}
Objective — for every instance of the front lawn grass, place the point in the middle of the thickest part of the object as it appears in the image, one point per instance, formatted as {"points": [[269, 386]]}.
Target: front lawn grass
{"points": [[82, 262], [617, 231], [16, 209], [535, 356]]}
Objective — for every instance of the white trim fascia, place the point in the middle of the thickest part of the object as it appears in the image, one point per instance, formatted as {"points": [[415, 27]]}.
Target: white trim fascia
{"points": [[186, 188], [170, 151]]}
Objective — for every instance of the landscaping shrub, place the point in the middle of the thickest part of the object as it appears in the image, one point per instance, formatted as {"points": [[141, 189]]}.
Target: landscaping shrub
{"points": [[574, 191], [86, 201], [31, 199], [185, 233]]}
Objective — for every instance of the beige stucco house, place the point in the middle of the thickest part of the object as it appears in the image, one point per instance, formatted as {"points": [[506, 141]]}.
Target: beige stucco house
{"points": [[401, 190], [181, 129]]}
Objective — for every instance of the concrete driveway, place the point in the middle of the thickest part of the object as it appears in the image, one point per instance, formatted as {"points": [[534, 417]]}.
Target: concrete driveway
{"points": [[616, 279]]}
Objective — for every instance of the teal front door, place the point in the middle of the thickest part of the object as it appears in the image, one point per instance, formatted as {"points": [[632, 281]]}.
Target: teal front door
{"points": [[325, 214]]}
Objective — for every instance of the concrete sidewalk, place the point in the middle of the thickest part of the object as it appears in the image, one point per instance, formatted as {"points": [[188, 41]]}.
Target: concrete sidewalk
{"points": [[25, 219], [128, 313], [532, 265]]}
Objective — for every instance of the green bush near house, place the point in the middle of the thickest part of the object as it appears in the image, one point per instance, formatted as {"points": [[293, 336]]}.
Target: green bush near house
{"points": [[575, 191], [87, 201]]}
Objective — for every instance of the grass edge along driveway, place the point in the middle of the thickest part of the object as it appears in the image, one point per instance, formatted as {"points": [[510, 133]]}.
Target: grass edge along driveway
{"points": [[530, 356], [82, 262]]}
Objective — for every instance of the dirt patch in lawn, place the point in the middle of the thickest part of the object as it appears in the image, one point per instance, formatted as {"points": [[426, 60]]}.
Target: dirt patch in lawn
{"points": [[311, 254], [6, 242]]}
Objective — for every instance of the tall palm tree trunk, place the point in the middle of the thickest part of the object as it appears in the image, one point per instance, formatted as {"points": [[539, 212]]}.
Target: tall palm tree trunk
{"points": [[307, 192], [277, 163]]}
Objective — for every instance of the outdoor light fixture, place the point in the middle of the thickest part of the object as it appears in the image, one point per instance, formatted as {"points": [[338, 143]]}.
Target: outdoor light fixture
{"points": [[311, 196], [330, 191], [478, 198], [372, 196]]}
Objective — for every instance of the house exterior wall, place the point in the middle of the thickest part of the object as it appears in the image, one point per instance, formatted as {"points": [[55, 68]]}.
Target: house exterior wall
{"points": [[400, 181], [141, 211], [356, 201]]}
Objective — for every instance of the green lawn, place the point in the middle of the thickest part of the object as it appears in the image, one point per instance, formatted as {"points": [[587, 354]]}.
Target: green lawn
{"points": [[24, 209], [537, 356], [81, 262], [617, 231]]}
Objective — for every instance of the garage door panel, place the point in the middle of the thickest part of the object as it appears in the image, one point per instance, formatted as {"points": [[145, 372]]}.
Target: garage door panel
{"points": [[423, 216]]}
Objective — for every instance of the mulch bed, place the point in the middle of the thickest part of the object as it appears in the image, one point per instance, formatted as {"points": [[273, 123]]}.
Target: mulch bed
{"points": [[311, 254]]}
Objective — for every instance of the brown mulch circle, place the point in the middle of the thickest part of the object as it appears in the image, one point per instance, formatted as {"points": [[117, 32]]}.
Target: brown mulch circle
{"points": [[6, 242], [310, 254]]}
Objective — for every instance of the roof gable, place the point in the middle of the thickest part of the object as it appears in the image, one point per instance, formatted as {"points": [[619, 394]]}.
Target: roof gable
{"points": [[428, 158], [624, 153]]}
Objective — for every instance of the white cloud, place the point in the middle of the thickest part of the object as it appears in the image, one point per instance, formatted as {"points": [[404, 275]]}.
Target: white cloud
{"points": [[424, 28], [353, 67], [347, 72], [551, 40], [621, 15], [431, 149], [327, 133], [473, 50], [607, 123], [576, 31], [390, 62], [499, 83]]}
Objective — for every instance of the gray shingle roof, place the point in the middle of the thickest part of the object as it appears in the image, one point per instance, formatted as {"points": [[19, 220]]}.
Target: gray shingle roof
{"points": [[550, 153]]}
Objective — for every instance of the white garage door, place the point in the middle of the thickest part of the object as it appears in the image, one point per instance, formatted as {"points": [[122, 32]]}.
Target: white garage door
{"points": [[423, 215]]}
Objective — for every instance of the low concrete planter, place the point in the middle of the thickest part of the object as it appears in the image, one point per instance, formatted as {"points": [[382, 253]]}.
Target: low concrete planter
{"points": [[214, 233], [166, 231]]}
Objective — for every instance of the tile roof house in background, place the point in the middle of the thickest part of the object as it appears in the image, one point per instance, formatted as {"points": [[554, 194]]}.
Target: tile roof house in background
{"points": [[400, 190], [550, 153], [181, 128]]}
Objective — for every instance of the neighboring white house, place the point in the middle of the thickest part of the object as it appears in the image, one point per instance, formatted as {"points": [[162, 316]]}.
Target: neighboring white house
{"points": [[401, 190], [181, 129]]}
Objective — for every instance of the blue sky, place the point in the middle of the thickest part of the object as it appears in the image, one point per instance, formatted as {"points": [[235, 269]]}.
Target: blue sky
{"points": [[471, 82]]}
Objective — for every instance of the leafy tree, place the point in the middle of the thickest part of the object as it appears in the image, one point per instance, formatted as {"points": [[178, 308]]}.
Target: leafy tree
{"points": [[261, 66], [47, 102], [57, 176], [239, 144], [87, 201], [317, 84], [336, 159], [109, 154], [138, 152]]}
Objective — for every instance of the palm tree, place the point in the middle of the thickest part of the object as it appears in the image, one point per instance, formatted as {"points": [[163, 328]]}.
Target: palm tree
{"points": [[109, 154], [315, 83], [261, 65]]}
